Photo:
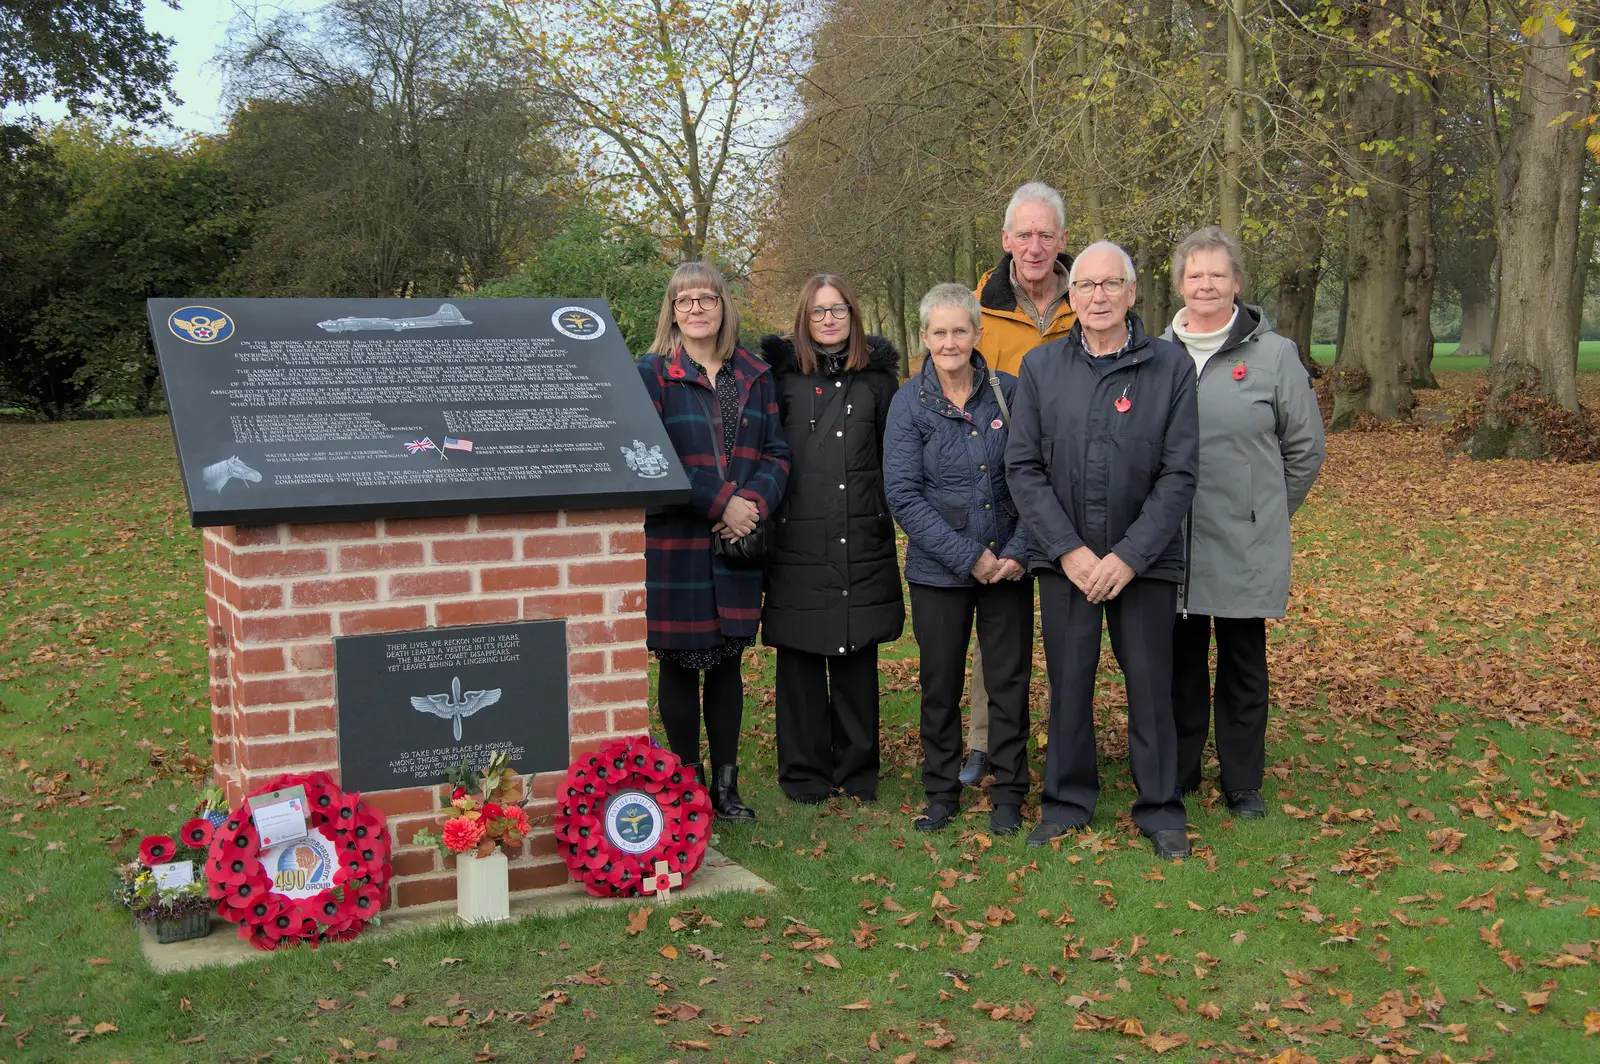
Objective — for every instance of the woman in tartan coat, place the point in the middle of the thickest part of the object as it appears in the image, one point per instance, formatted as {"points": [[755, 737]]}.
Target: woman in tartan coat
{"points": [[720, 408]]}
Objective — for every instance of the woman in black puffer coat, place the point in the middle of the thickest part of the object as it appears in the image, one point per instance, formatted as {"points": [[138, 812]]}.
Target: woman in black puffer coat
{"points": [[833, 592]]}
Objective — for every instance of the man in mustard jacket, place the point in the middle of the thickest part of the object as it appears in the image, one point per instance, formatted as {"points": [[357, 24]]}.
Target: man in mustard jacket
{"points": [[1024, 303]]}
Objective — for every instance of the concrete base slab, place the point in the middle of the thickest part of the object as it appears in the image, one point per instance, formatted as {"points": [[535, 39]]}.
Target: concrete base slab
{"points": [[224, 948]]}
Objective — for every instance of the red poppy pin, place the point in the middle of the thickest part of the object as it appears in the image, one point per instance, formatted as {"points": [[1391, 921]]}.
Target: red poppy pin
{"points": [[819, 391], [675, 372], [1123, 403], [1238, 371], [997, 424]]}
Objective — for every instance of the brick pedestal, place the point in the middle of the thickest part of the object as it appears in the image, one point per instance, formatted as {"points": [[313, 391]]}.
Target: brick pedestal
{"points": [[276, 595]]}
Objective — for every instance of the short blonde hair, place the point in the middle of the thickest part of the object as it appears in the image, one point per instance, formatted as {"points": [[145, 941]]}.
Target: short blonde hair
{"points": [[1211, 238], [696, 275]]}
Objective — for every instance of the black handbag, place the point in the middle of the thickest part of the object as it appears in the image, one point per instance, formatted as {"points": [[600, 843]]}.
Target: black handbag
{"points": [[753, 551]]}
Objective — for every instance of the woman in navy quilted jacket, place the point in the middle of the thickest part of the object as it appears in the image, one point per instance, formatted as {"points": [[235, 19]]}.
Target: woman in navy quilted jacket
{"points": [[944, 472]]}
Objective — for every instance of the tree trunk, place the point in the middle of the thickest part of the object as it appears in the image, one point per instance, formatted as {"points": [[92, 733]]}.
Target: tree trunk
{"points": [[1367, 375], [1229, 190], [1416, 330], [1297, 296], [1475, 286], [1536, 219], [1157, 296], [897, 317], [969, 254]]}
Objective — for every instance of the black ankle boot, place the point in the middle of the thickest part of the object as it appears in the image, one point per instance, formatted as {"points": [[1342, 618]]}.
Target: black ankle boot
{"points": [[725, 798]]}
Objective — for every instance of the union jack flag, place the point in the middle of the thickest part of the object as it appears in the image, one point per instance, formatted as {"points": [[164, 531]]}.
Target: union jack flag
{"points": [[418, 446]]}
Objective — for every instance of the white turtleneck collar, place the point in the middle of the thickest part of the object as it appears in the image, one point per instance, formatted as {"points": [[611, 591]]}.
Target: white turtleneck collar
{"points": [[1202, 346]]}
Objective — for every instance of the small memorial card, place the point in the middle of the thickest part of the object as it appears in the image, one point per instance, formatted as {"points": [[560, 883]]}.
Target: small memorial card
{"points": [[173, 875], [280, 816]]}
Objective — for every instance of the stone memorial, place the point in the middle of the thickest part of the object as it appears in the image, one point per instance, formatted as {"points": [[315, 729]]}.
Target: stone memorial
{"points": [[408, 505]]}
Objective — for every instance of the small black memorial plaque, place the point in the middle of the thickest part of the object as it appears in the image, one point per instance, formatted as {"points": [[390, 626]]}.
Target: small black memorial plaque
{"points": [[331, 409], [412, 705]]}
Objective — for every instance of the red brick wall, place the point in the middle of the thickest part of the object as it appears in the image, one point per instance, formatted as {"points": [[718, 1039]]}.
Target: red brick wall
{"points": [[276, 595]]}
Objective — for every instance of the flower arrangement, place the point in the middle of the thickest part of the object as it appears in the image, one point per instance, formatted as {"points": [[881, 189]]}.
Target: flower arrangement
{"points": [[487, 813], [177, 912], [136, 889]]}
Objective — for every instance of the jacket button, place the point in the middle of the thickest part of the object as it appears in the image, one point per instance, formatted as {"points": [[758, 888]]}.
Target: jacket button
{"points": [[841, 650], [991, 543], [986, 506], [838, 384], [846, 594], [841, 539], [841, 487], [983, 469], [974, 432], [744, 421]]}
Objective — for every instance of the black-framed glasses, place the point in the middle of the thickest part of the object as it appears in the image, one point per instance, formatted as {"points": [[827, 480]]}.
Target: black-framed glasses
{"points": [[684, 304], [838, 310], [1114, 286]]}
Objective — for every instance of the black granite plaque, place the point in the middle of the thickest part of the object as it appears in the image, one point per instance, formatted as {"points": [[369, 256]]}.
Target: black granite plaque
{"points": [[412, 705], [333, 409]]}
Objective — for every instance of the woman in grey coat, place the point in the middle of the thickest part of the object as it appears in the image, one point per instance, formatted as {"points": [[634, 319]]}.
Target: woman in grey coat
{"points": [[1261, 445]]}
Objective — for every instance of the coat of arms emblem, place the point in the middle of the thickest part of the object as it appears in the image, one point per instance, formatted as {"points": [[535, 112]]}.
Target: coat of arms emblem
{"points": [[648, 462]]}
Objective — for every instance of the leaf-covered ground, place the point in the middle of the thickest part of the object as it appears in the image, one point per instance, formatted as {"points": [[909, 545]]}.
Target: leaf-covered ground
{"points": [[1425, 889]]}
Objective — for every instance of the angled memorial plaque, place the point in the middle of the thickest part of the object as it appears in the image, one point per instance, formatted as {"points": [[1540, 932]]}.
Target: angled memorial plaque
{"points": [[332, 409]]}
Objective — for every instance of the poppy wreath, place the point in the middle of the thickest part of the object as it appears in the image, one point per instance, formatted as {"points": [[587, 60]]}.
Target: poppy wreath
{"points": [[243, 888], [630, 765]]}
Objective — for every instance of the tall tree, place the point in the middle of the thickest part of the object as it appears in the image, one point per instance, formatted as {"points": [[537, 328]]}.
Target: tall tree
{"points": [[671, 103], [394, 145], [1421, 269], [1539, 185], [93, 56]]}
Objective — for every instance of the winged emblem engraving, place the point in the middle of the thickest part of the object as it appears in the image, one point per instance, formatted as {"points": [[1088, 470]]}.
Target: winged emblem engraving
{"points": [[455, 705]]}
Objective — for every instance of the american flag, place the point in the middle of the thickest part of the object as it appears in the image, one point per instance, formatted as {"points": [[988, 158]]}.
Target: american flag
{"points": [[453, 444], [418, 446]]}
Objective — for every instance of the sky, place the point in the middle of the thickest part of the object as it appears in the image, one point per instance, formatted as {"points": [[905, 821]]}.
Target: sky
{"points": [[198, 29]]}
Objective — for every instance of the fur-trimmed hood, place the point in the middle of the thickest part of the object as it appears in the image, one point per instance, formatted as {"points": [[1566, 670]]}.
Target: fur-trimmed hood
{"points": [[778, 351]]}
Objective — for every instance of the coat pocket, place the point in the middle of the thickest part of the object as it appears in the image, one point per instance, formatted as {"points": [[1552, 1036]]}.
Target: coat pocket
{"points": [[956, 519]]}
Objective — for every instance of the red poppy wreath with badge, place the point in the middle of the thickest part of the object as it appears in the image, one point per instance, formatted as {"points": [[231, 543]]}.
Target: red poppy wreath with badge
{"points": [[627, 809], [324, 887]]}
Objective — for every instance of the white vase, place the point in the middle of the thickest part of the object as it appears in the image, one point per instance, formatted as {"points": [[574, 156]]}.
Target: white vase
{"points": [[483, 888]]}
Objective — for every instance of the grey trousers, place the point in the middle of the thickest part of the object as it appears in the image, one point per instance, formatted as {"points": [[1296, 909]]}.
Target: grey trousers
{"points": [[978, 721]]}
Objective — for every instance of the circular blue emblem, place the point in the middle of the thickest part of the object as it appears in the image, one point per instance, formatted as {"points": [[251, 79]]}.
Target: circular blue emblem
{"points": [[633, 822], [200, 325], [576, 323]]}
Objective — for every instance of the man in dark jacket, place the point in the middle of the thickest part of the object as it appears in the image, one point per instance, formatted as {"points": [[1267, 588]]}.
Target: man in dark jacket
{"points": [[1102, 462]]}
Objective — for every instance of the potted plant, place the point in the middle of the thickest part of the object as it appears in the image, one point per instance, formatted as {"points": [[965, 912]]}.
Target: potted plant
{"points": [[488, 820], [154, 887]]}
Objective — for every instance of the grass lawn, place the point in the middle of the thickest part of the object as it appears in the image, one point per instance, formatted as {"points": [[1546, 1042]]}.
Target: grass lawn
{"points": [[1444, 357], [1425, 888]]}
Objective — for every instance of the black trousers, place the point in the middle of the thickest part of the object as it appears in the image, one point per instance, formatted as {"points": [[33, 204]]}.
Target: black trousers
{"points": [[828, 723], [1241, 698], [1140, 619], [680, 703], [942, 619]]}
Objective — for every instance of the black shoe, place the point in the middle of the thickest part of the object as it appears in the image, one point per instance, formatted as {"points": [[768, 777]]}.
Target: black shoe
{"points": [[1172, 844], [1047, 830], [936, 817], [808, 799], [1006, 819], [975, 769], [725, 800], [1247, 804]]}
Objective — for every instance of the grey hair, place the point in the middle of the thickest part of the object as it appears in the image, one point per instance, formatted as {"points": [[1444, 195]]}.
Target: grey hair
{"points": [[1037, 192], [1211, 238], [953, 296], [1104, 245]]}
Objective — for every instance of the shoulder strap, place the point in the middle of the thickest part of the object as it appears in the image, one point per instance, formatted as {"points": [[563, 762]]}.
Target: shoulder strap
{"points": [[999, 397], [830, 414]]}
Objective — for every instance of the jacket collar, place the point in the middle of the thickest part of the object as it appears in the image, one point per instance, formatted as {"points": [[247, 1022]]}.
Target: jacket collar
{"points": [[746, 369], [1135, 351], [1246, 324], [933, 394], [997, 293]]}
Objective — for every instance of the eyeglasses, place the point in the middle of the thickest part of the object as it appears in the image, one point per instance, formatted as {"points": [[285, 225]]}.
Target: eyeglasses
{"points": [[684, 304], [1112, 285], [838, 310]]}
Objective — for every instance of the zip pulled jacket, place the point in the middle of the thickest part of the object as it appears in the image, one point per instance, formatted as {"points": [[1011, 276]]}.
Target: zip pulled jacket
{"points": [[1106, 457]]}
